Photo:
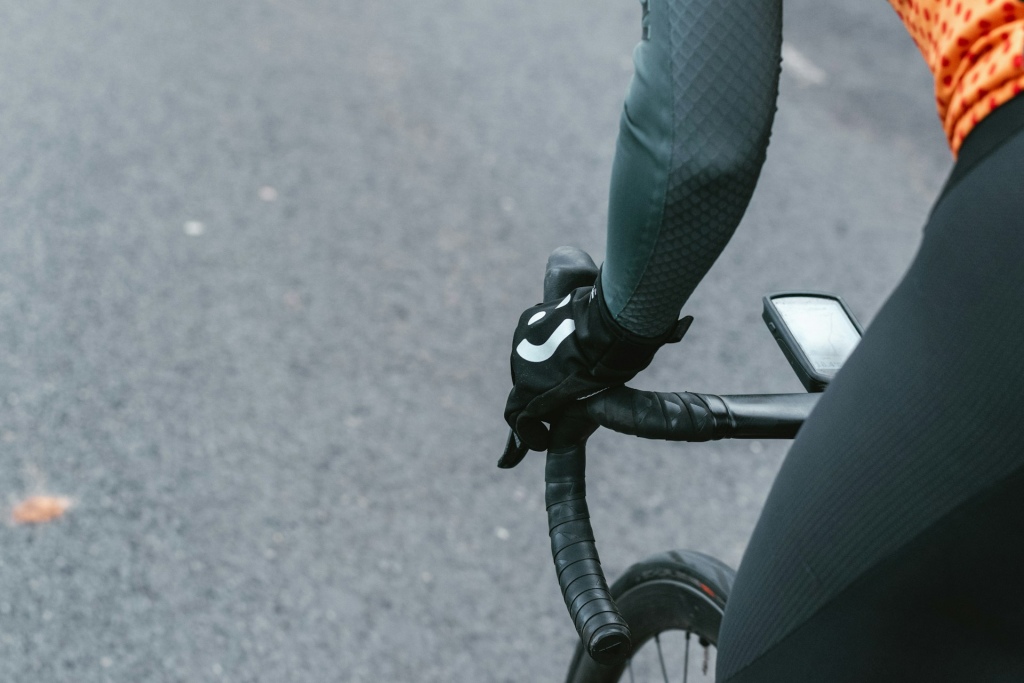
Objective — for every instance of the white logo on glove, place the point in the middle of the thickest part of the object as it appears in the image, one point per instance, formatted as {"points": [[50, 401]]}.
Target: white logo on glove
{"points": [[539, 353]]}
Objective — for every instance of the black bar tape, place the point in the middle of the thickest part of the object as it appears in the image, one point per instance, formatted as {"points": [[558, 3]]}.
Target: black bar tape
{"points": [[583, 589], [700, 417], [574, 553], [655, 415], [572, 510], [602, 629], [585, 574], [769, 416], [597, 607], [595, 594]]}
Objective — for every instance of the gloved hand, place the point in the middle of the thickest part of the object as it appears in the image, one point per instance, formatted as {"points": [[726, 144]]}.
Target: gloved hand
{"points": [[569, 349]]}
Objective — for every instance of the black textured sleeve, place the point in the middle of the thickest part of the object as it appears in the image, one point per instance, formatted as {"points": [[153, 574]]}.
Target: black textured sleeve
{"points": [[692, 141]]}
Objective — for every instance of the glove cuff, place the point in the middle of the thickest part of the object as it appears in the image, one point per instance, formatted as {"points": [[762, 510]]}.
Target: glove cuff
{"points": [[613, 352]]}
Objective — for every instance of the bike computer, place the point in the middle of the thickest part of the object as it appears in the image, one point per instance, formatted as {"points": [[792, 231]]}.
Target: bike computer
{"points": [[816, 332]]}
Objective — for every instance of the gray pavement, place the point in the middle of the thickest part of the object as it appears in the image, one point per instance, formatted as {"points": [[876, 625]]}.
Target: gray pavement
{"points": [[259, 270]]}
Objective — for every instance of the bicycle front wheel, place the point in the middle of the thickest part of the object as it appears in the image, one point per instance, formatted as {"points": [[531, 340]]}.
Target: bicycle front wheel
{"points": [[673, 603]]}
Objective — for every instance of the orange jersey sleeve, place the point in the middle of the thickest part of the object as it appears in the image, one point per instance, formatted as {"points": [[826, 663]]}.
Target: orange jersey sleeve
{"points": [[975, 49]]}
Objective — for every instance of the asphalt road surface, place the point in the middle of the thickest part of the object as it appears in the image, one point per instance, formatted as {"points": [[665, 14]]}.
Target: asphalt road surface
{"points": [[260, 265]]}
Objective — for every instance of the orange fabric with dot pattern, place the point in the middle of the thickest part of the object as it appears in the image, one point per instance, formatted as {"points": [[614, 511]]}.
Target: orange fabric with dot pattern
{"points": [[975, 49]]}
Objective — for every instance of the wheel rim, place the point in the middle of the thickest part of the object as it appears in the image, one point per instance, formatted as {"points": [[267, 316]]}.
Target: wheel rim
{"points": [[679, 640], [673, 656], [664, 598]]}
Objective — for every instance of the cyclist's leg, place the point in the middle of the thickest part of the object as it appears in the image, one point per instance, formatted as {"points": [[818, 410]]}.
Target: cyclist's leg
{"points": [[891, 542], [945, 607]]}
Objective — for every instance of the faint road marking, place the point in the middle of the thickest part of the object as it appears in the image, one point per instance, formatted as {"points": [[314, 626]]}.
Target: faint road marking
{"points": [[194, 228], [805, 71]]}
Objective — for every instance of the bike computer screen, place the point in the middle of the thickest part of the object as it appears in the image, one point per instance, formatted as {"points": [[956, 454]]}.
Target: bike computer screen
{"points": [[817, 334]]}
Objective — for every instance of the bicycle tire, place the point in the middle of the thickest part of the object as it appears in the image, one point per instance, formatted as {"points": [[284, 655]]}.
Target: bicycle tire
{"points": [[680, 590]]}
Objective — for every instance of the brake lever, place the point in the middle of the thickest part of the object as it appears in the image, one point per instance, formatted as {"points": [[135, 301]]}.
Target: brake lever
{"points": [[515, 451], [572, 427]]}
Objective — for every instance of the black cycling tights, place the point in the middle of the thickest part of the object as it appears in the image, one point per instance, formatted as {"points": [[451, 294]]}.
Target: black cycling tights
{"points": [[891, 547]]}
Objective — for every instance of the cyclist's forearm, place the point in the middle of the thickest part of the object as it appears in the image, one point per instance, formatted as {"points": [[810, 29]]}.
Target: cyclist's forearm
{"points": [[692, 140]]}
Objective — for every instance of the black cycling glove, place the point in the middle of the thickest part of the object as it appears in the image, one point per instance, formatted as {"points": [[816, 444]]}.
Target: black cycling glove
{"points": [[569, 349]]}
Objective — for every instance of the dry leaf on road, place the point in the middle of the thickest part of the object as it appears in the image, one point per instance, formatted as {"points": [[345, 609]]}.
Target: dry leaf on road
{"points": [[39, 509]]}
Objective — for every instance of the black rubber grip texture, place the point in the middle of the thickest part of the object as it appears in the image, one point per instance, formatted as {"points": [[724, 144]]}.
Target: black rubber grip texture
{"points": [[602, 629]]}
